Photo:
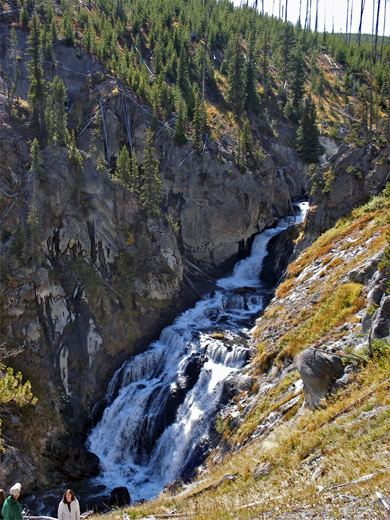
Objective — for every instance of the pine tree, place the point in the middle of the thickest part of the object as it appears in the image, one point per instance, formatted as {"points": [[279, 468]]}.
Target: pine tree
{"points": [[123, 171], [285, 47], [244, 145], [151, 193], [13, 72], [67, 25], [297, 79], [36, 91], [265, 47], [23, 16], [36, 157], [33, 232], [252, 97], [179, 134], [134, 182], [182, 78], [236, 91], [75, 157], [197, 124], [308, 144], [19, 243], [55, 115]]}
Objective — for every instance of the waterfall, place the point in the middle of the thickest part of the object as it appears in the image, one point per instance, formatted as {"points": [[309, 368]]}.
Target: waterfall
{"points": [[158, 426]]}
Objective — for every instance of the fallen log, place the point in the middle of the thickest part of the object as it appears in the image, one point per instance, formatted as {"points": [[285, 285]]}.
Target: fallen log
{"points": [[216, 485]]}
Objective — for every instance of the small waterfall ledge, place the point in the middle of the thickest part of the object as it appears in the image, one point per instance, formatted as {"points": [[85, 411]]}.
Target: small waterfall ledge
{"points": [[160, 424]]}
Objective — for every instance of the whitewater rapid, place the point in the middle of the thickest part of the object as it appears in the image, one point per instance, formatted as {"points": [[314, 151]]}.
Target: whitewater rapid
{"points": [[157, 427]]}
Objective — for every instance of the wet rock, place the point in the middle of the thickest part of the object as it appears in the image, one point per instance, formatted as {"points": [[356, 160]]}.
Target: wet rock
{"points": [[280, 250], [120, 496]]}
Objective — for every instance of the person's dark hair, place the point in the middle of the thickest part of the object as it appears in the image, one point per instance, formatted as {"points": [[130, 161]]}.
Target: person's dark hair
{"points": [[71, 494], [3, 496]]}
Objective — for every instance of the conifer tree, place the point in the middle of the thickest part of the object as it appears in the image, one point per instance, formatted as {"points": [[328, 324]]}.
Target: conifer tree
{"points": [[265, 47], [252, 97], [134, 183], [67, 25], [236, 91], [55, 115], [151, 193], [23, 17], [13, 71], [197, 124], [284, 50], [124, 167], [36, 157], [33, 232], [308, 144], [297, 79], [75, 157], [179, 134], [36, 91], [19, 243]]}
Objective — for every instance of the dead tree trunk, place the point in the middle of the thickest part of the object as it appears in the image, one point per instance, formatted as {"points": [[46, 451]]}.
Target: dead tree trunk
{"points": [[316, 25], [346, 22], [376, 30], [350, 24], [307, 15], [384, 27], [285, 14], [361, 19], [372, 69], [300, 12]]}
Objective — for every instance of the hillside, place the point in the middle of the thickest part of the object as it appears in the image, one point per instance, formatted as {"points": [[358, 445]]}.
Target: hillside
{"points": [[145, 144]]}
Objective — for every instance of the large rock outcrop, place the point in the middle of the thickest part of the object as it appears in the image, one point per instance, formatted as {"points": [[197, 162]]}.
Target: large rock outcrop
{"points": [[351, 177], [92, 283]]}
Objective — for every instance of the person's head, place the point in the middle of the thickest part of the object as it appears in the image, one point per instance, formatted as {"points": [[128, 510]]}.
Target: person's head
{"points": [[3, 496], [68, 496], [15, 490]]}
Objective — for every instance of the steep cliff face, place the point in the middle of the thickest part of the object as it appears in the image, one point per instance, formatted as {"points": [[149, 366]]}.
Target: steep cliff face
{"points": [[88, 279], [92, 285], [349, 179]]}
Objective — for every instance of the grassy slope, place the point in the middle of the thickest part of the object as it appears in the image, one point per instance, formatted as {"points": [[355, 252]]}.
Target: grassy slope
{"points": [[307, 451]]}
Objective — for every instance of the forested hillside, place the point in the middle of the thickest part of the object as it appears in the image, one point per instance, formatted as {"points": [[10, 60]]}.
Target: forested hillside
{"points": [[144, 144]]}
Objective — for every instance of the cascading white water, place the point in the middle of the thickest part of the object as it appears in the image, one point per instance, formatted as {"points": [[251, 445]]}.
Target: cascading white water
{"points": [[157, 427]]}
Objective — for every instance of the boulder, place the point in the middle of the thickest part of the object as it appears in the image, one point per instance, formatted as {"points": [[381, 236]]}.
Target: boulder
{"points": [[120, 496], [174, 487], [319, 371]]}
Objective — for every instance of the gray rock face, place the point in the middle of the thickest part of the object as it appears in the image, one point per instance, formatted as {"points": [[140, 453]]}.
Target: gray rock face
{"points": [[318, 371], [77, 308], [358, 174], [381, 324], [377, 318]]}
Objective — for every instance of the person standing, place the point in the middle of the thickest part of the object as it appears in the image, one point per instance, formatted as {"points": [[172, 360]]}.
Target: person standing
{"points": [[3, 497], [69, 507], [12, 510]]}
